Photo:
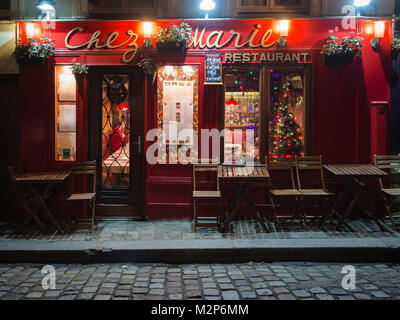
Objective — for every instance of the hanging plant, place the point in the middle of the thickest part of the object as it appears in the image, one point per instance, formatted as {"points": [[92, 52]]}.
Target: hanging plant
{"points": [[79, 69], [341, 52], [395, 48], [150, 67], [174, 39], [34, 52]]}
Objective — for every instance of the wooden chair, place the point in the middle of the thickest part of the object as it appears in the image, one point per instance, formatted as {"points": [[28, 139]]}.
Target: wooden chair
{"points": [[78, 169], [203, 167], [308, 164], [282, 165], [392, 194]]}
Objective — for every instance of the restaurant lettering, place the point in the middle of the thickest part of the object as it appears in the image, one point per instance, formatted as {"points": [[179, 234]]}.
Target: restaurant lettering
{"points": [[257, 57], [257, 39], [94, 42]]}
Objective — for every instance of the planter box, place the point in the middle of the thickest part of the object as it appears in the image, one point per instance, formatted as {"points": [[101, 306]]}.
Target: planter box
{"points": [[395, 54], [337, 59], [171, 47]]}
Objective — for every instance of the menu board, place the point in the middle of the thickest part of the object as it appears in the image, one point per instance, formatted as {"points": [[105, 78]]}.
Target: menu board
{"points": [[213, 68], [177, 110]]}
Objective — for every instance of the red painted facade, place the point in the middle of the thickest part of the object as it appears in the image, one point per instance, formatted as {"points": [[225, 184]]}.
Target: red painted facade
{"points": [[349, 104]]}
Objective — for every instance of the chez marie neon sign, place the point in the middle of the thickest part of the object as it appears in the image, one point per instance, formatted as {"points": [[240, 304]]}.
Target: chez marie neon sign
{"points": [[214, 40]]}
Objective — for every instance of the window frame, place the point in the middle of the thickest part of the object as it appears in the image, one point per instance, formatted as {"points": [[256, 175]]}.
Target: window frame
{"points": [[265, 107], [271, 6], [123, 9]]}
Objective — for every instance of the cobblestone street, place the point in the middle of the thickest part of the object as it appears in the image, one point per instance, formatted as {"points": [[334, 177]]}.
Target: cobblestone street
{"points": [[270, 281]]}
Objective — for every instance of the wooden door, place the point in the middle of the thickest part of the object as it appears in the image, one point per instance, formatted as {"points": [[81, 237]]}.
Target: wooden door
{"points": [[116, 131]]}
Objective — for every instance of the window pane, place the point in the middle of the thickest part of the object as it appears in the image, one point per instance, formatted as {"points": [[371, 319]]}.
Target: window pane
{"points": [[140, 3], [65, 115], [242, 114], [105, 3], [287, 114], [252, 3], [177, 112], [288, 3], [115, 131], [5, 5]]}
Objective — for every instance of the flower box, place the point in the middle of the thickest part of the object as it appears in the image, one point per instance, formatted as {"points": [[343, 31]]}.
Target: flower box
{"points": [[171, 47], [32, 60], [337, 59]]}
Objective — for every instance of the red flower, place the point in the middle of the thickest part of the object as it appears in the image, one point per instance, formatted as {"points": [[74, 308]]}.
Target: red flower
{"points": [[123, 106]]}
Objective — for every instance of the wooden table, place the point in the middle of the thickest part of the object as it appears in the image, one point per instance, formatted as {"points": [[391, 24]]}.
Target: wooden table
{"points": [[31, 181], [357, 178], [242, 178]]}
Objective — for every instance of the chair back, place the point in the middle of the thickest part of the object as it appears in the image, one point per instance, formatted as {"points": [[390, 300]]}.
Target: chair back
{"points": [[205, 165], [309, 163], [84, 168], [281, 164], [14, 174], [391, 164]]}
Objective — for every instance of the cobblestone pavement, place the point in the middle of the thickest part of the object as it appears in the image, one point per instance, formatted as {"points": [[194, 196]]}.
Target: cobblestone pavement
{"points": [[127, 230], [272, 281]]}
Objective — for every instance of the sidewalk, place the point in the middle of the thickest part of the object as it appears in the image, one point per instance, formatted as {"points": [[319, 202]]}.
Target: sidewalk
{"points": [[174, 242]]}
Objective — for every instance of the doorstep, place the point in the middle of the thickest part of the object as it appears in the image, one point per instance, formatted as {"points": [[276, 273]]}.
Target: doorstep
{"points": [[173, 242]]}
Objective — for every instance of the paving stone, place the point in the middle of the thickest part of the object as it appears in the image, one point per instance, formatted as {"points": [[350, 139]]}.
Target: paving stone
{"points": [[158, 292], [276, 283], [85, 296], [34, 295], [264, 292], [380, 294], [122, 293], [248, 295], [193, 294], [286, 297], [230, 295], [211, 292], [301, 293], [102, 297], [323, 296], [337, 292]]}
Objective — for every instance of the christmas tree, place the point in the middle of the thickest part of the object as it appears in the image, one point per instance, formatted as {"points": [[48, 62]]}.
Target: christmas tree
{"points": [[286, 138]]}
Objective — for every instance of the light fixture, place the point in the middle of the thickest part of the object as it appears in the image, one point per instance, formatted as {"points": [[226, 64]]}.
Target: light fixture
{"points": [[46, 5], [232, 102], [147, 29], [369, 29], [283, 28], [147, 32], [379, 33], [361, 3], [30, 30], [207, 5]]}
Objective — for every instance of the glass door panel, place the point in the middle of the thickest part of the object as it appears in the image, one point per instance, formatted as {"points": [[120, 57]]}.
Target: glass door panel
{"points": [[116, 131]]}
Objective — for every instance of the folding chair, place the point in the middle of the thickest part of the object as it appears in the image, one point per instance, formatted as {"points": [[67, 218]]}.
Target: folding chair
{"points": [[205, 194], [391, 194], [78, 169], [282, 165], [309, 164]]}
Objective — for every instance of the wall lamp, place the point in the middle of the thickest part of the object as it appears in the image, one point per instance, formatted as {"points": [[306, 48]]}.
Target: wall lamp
{"points": [[283, 28], [379, 33], [47, 8], [147, 32], [207, 5]]}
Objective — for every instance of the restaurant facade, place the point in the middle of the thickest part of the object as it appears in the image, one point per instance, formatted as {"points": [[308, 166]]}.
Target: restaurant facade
{"points": [[235, 75]]}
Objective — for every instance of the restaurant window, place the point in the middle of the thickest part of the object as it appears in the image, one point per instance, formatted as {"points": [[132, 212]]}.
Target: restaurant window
{"points": [[287, 112], [295, 6], [242, 116], [177, 112], [65, 114]]}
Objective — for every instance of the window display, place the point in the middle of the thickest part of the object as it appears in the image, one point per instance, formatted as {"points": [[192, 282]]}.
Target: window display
{"points": [[177, 110], [65, 115], [242, 114], [287, 114]]}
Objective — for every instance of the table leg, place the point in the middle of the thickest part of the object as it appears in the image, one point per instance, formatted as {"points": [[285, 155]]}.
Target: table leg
{"points": [[248, 188], [32, 212], [44, 206], [236, 206]]}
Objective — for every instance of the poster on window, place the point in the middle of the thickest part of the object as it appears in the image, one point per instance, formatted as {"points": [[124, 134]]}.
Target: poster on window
{"points": [[67, 118], [177, 111], [66, 88]]}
